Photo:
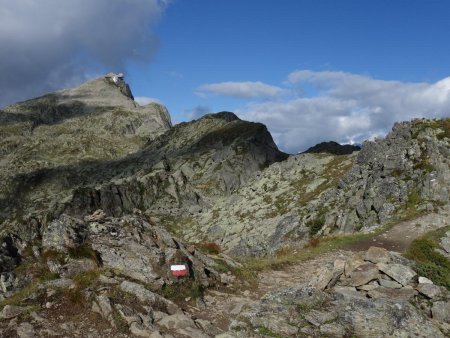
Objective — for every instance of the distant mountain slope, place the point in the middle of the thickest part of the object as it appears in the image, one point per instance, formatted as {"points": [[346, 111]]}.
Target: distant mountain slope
{"points": [[334, 148]]}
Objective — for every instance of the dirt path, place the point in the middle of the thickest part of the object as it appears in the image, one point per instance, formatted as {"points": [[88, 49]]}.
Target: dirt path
{"points": [[224, 306], [399, 237]]}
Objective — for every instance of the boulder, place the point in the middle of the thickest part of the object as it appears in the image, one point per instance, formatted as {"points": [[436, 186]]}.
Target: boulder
{"points": [[401, 273], [377, 255], [429, 290], [363, 274]]}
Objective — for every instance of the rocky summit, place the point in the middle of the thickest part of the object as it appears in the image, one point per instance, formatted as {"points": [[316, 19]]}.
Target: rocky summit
{"points": [[116, 223]]}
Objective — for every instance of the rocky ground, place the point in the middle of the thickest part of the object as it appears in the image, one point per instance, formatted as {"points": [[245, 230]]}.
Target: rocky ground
{"points": [[81, 286], [99, 197]]}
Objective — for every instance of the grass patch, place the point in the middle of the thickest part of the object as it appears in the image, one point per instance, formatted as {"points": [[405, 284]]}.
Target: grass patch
{"points": [[413, 198], [211, 248], [429, 263], [84, 251], [180, 291], [317, 222]]}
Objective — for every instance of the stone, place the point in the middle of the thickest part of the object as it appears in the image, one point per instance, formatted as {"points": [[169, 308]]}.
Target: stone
{"points": [[128, 314], [352, 263], [323, 279], [149, 297], [140, 330], [176, 321], [363, 274], [77, 266], [424, 280], [429, 290], [389, 283], [11, 311], [445, 244], [208, 327], [377, 255], [332, 330], [348, 293], [25, 330], [402, 274], [441, 311], [102, 306], [402, 294]]}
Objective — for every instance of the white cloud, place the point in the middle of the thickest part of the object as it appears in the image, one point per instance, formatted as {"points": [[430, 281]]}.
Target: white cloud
{"points": [[240, 89], [144, 100], [348, 108], [49, 44]]}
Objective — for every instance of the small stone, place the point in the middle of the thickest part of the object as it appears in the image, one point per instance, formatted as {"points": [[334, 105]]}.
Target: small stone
{"points": [[389, 284], [425, 280], [176, 321], [377, 255]]}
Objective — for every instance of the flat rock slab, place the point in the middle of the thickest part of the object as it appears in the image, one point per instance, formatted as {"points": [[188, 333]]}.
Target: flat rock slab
{"points": [[377, 255], [429, 290], [363, 274], [401, 273], [404, 294], [390, 284]]}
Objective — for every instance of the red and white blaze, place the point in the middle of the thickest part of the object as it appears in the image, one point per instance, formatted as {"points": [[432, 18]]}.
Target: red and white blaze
{"points": [[178, 270]]}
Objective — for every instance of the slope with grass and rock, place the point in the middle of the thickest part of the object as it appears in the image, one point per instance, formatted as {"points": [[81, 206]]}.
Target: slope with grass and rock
{"points": [[100, 197]]}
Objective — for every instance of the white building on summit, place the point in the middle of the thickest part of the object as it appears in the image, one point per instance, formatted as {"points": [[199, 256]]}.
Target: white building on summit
{"points": [[115, 77]]}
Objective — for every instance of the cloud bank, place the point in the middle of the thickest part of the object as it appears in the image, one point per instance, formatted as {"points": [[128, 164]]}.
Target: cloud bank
{"points": [[49, 44], [240, 89], [344, 107]]}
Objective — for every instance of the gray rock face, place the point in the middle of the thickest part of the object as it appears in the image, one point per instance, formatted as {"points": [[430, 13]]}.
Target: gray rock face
{"points": [[441, 311], [402, 274]]}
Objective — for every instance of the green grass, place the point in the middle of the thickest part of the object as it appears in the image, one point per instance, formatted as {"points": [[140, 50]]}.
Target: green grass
{"points": [[84, 251], [317, 222], [180, 291], [429, 263]]}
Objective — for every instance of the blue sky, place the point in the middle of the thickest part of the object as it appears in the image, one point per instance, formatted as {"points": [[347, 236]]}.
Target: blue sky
{"points": [[310, 70]]}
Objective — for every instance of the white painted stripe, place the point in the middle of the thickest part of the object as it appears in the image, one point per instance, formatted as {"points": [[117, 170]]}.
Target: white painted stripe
{"points": [[177, 267]]}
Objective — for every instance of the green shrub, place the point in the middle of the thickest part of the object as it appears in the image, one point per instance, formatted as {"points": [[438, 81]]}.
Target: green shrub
{"points": [[429, 263]]}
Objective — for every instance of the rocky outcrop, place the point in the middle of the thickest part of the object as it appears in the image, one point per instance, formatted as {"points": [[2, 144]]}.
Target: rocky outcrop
{"points": [[407, 170], [118, 268], [370, 294]]}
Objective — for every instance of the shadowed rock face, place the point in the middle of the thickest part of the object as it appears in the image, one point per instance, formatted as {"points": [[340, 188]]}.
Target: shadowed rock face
{"points": [[334, 148], [93, 147]]}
